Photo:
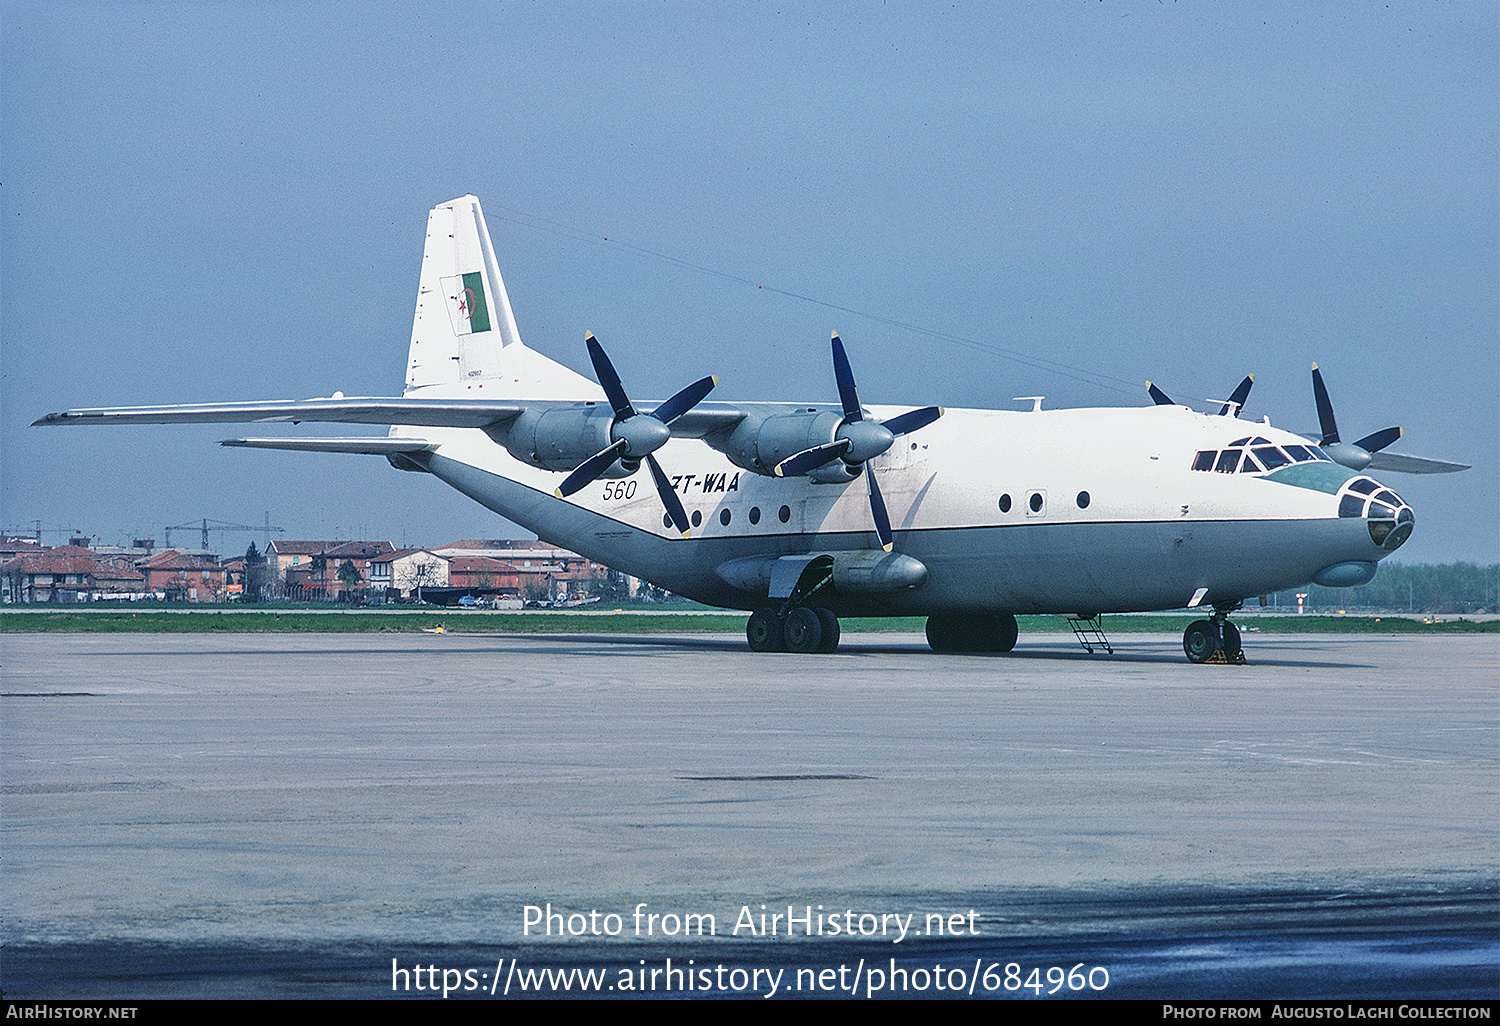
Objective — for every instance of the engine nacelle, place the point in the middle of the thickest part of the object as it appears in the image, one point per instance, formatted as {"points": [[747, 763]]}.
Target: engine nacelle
{"points": [[559, 438], [759, 442]]}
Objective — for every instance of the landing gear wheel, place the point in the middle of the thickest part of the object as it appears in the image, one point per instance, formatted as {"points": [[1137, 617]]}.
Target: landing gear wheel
{"points": [[802, 630], [1231, 645], [1008, 632], [977, 633], [830, 625], [942, 634], [764, 631], [1200, 641]]}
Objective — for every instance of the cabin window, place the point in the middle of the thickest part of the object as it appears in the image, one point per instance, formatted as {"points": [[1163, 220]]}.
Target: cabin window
{"points": [[1083, 500], [1036, 502], [724, 516], [697, 517], [1005, 503], [755, 514], [784, 514]]}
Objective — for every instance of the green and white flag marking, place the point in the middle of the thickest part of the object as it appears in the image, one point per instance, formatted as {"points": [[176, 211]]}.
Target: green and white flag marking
{"points": [[467, 307]]}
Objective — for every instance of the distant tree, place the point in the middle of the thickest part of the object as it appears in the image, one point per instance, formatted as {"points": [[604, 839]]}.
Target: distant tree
{"points": [[349, 575], [616, 587], [257, 578], [419, 575]]}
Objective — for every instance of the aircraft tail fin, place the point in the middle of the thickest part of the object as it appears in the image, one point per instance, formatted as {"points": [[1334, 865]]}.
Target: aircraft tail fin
{"points": [[464, 340]]}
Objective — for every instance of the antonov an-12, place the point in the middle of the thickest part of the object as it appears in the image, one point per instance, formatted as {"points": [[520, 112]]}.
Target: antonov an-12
{"points": [[805, 513]]}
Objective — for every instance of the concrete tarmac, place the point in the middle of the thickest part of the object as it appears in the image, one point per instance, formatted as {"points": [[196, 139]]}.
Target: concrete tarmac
{"points": [[316, 806]]}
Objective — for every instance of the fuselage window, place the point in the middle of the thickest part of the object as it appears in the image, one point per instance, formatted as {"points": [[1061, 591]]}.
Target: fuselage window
{"points": [[1083, 500], [1205, 459], [724, 516], [1036, 502], [1005, 503], [697, 517], [1352, 506], [1363, 485], [784, 514], [1229, 459], [755, 514]]}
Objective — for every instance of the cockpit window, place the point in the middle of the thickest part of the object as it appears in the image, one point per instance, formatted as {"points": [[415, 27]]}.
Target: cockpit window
{"points": [[1272, 457], [1267, 456]]}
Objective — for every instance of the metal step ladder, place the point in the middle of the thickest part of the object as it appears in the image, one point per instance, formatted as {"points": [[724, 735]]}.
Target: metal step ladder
{"points": [[1090, 633]]}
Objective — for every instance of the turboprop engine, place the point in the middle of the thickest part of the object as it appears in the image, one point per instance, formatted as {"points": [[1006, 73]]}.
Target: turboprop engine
{"points": [[558, 438]]}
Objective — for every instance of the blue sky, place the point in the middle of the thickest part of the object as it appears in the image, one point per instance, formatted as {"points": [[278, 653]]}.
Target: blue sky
{"points": [[208, 202]]}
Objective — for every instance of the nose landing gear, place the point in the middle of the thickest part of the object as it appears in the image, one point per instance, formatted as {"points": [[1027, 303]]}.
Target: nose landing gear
{"points": [[1214, 640]]}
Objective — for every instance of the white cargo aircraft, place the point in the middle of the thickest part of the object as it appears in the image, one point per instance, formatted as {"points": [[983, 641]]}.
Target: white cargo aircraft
{"points": [[805, 513]]}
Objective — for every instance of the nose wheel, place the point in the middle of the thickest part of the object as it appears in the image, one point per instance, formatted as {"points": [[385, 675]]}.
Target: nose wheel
{"points": [[1214, 640]]}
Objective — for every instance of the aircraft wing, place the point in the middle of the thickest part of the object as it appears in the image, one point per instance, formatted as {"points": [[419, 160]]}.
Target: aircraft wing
{"points": [[422, 412], [419, 412], [1412, 464]]}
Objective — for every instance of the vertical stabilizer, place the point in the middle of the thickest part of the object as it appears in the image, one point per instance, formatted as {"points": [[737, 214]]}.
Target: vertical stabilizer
{"points": [[464, 342], [463, 321]]}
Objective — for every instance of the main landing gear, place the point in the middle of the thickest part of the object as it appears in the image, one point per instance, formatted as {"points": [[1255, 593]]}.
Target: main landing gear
{"points": [[977, 633], [1214, 640], [804, 629]]}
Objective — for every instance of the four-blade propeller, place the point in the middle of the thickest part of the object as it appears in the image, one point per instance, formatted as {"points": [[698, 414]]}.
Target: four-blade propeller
{"points": [[1232, 405], [635, 436], [1354, 455], [857, 441]]}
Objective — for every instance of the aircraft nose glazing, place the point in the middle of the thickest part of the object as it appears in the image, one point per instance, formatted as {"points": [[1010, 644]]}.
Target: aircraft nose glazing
{"points": [[1387, 517]]}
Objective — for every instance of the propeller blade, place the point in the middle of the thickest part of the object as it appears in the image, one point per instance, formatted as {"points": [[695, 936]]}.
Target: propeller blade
{"points": [[1379, 440], [684, 400], [812, 459], [1325, 409], [1158, 396], [1237, 398], [589, 470], [848, 396], [877, 510], [913, 420], [604, 373], [669, 497]]}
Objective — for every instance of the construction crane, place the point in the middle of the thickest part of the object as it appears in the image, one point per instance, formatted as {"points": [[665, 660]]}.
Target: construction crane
{"points": [[206, 525]]}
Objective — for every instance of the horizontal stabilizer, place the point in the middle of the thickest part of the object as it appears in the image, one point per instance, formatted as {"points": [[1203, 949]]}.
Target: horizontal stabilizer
{"points": [[365, 446]]}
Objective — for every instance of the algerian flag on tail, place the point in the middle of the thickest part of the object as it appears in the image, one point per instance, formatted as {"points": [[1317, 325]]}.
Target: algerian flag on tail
{"points": [[466, 303]]}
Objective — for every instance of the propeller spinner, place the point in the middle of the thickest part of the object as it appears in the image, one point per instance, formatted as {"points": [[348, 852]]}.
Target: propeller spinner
{"points": [[635, 436], [856, 441]]}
